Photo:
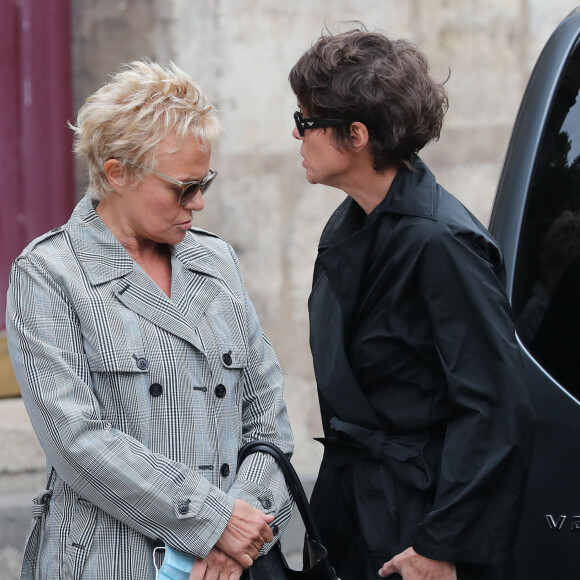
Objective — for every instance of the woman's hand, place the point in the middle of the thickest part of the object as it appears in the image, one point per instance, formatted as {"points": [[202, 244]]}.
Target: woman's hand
{"points": [[217, 566], [413, 566], [246, 532]]}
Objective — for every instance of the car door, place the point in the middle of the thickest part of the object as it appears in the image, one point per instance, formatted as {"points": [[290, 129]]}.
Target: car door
{"points": [[536, 219]]}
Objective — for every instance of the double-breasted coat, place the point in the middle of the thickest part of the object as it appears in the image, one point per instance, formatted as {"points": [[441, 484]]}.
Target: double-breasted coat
{"points": [[426, 418], [140, 401]]}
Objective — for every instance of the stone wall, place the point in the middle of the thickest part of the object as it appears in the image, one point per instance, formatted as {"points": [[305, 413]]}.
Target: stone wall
{"points": [[241, 51]]}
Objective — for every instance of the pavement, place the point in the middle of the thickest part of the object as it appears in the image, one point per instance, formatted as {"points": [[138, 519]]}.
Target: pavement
{"points": [[22, 477]]}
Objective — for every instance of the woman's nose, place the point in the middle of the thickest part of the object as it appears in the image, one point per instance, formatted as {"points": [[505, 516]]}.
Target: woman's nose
{"points": [[296, 135], [196, 203]]}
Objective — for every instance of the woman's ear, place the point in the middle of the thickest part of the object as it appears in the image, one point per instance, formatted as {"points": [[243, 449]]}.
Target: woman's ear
{"points": [[359, 135], [115, 173]]}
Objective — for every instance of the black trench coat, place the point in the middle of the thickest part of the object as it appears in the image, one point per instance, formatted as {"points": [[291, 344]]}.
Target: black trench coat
{"points": [[426, 419]]}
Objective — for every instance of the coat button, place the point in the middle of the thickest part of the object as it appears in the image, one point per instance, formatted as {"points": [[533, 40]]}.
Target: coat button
{"points": [[142, 363], [155, 390], [227, 358], [220, 391], [275, 529], [183, 507], [266, 503], [225, 470]]}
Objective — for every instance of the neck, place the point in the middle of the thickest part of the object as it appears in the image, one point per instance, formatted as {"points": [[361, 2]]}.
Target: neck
{"points": [[368, 187], [114, 218]]}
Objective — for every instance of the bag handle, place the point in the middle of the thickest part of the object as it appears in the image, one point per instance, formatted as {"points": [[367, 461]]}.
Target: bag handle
{"points": [[292, 481]]}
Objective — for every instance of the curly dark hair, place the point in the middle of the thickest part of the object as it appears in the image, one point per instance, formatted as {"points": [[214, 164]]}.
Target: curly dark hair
{"points": [[384, 84]]}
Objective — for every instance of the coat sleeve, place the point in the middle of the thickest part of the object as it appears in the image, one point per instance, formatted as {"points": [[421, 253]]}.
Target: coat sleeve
{"points": [[489, 433], [259, 480], [149, 492]]}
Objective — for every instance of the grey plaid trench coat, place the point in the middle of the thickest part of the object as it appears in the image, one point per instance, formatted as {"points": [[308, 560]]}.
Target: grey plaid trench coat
{"points": [[140, 402]]}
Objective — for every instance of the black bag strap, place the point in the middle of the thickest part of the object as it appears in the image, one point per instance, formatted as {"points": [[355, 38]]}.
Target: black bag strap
{"points": [[318, 553], [51, 478], [41, 501], [292, 481]]}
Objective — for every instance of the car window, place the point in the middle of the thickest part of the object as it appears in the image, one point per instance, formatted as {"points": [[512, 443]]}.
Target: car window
{"points": [[547, 277]]}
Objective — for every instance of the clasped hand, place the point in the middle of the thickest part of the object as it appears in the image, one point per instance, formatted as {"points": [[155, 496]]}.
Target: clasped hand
{"points": [[413, 566], [246, 532]]}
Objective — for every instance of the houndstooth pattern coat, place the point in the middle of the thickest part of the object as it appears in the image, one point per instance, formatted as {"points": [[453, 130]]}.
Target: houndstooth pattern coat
{"points": [[140, 402]]}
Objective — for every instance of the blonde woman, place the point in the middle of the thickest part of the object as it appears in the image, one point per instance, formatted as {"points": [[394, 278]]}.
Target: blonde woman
{"points": [[140, 357]]}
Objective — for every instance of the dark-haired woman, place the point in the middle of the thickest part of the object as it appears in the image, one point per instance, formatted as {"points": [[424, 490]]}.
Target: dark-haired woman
{"points": [[426, 420]]}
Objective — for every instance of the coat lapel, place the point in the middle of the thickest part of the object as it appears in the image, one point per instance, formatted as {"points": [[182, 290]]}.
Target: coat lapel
{"points": [[349, 248], [140, 294], [337, 385], [348, 245], [104, 260], [345, 260]]}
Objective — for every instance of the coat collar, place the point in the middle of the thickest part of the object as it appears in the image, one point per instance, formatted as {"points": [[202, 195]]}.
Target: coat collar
{"points": [[103, 258], [413, 192], [350, 236]]}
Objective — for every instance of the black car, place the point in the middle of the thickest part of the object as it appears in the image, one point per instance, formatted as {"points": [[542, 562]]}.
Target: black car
{"points": [[536, 219]]}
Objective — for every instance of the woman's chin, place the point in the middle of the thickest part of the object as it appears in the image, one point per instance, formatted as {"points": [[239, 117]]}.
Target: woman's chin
{"points": [[311, 178]]}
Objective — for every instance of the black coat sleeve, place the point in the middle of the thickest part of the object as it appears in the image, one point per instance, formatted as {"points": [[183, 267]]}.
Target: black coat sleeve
{"points": [[489, 432]]}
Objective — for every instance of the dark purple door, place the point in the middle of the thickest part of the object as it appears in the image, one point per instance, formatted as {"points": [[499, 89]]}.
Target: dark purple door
{"points": [[36, 163]]}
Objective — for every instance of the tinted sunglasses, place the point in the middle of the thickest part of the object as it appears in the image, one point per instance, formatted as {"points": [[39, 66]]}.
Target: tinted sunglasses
{"points": [[314, 123], [187, 189]]}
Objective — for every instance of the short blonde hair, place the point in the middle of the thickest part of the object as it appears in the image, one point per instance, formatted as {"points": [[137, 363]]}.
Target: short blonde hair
{"points": [[128, 117]]}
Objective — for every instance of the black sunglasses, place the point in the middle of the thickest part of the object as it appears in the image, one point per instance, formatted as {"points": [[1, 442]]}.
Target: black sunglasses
{"points": [[314, 123], [187, 189]]}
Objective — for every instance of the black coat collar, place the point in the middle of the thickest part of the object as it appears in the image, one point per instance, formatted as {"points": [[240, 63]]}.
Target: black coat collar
{"points": [[347, 244], [412, 193]]}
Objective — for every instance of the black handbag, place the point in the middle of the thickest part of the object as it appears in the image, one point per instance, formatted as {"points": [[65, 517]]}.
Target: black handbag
{"points": [[273, 565]]}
